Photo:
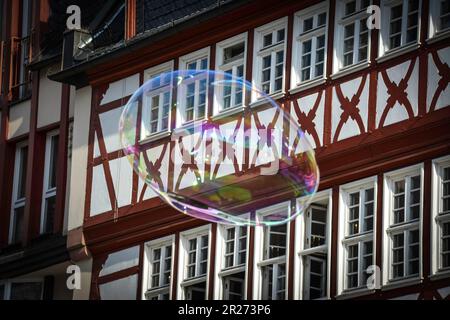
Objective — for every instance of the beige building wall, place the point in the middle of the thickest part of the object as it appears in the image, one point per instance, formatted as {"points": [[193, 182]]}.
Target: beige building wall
{"points": [[19, 119], [49, 107]]}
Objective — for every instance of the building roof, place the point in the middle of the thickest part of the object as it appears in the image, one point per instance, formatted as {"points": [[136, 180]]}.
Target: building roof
{"points": [[153, 17]]}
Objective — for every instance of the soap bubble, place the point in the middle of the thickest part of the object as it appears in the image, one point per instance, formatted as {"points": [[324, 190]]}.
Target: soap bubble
{"points": [[228, 161]]}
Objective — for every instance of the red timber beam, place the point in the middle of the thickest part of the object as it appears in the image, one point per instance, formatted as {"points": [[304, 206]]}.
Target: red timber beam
{"points": [[6, 151], [36, 150]]}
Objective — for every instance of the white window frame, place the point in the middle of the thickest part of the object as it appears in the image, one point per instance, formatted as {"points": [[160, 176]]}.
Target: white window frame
{"points": [[340, 24], [47, 191], [389, 230], [181, 92], [299, 38], [384, 32], [259, 51], [8, 285], [301, 231], [16, 203], [183, 280], [346, 240], [435, 28], [221, 66], [150, 246], [220, 270], [146, 109], [259, 258], [437, 218]]}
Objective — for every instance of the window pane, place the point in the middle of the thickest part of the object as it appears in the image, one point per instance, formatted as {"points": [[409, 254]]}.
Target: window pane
{"points": [[267, 40], [413, 255], [395, 27], [18, 224], [321, 19], [317, 278], [444, 21], [280, 35], [26, 291], [445, 244], [350, 7], [234, 52], [49, 214], [398, 255], [53, 161], [22, 172], [307, 24]]}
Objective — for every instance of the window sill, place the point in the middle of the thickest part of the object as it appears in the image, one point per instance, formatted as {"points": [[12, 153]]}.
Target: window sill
{"points": [[397, 52], [438, 36], [441, 274], [307, 85], [192, 281], [350, 69], [393, 284], [231, 271], [262, 101], [353, 293], [189, 126], [276, 260], [155, 291], [155, 136], [228, 112]]}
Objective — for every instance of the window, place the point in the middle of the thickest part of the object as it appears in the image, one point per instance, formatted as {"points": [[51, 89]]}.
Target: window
{"points": [[403, 211], [18, 198], [158, 101], [440, 17], [21, 290], [230, 59], [352, 34], [194, 89], [441, 215], [271, 253], [309, 54], [358, 210], [194, 263], [159, 256], [270, 49], [49, 188], [233, 250], [312, 233], [402, 20]]}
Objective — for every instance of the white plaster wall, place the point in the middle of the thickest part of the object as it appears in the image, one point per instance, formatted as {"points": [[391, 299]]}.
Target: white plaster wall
{"points": [[100, 201], [433, 79], [110, 129], [49, 107], [121, 88], [19, 119], [86, 274], [82, 112]]}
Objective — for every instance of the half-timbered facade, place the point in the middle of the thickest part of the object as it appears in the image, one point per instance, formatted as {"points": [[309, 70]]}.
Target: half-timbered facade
{"points": [[374, 103]]}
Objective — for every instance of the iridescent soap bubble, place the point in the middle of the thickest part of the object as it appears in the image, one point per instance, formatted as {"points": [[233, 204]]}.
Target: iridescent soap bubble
{"points": [[225, 160]]}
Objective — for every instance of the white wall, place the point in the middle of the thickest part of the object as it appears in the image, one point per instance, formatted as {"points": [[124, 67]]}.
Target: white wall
{"points": [[19, 119], [82, 110], [49, 107]]}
